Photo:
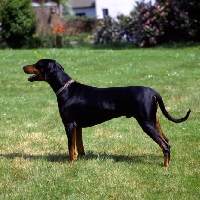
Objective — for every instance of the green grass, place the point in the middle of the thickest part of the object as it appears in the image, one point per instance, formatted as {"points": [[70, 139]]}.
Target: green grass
{"points": [[121, 161]]}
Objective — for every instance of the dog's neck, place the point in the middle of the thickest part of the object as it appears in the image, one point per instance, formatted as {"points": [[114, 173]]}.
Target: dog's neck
{"points": [[58, 82]]}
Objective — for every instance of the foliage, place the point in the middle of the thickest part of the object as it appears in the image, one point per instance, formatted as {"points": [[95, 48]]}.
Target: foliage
{"points": [[90, 20], [111, 30], [61, 1], [163, 22], [53, 41], [18, 22], [183, 19], [166, 21], [105, 32], [66, 9], [44, 40], [146, 23]]}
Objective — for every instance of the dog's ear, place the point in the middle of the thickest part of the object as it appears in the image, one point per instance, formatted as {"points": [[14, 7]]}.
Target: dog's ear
{"points": [[52, 69]]}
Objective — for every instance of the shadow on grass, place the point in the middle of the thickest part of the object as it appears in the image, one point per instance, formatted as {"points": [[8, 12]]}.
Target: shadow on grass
{"points": [[141, 159], [62, 158]]}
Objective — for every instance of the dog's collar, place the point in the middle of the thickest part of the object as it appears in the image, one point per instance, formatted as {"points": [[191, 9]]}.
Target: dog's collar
{"points": [[66, 85]]}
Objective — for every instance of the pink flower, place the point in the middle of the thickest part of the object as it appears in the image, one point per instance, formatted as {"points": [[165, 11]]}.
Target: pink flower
{"points": [[162, 8], [176, 8], [187, 21], [154, 18], [142, 43], [148, 22], [162, 14], [152, 40], [172, 23]]}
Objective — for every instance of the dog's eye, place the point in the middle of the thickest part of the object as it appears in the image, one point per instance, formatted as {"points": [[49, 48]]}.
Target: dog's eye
{"points": [[38, 66]]}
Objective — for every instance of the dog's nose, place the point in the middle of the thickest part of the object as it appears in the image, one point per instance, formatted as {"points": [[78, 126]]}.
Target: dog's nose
{"points": [[25, 68]]}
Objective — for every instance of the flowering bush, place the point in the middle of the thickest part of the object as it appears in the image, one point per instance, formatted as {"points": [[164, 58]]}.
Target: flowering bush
{"points": [[166, 21], [148, 23], [177, 21]]}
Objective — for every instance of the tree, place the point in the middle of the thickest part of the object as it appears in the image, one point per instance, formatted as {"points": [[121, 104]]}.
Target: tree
{"points": [[18, 22]]}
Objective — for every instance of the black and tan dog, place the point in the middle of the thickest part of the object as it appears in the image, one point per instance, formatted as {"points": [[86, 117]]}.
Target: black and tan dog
{"points": [[83, 106]]}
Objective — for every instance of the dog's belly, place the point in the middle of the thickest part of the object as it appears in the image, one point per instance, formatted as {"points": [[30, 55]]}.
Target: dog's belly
{"points": [[95, 117]]}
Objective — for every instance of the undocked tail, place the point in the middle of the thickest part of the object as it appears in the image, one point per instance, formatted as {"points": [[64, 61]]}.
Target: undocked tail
{"points": [[166, 114]]}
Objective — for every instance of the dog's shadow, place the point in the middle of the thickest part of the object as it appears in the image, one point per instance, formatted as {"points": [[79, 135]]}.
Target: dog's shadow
{"points": [[150, 159]]}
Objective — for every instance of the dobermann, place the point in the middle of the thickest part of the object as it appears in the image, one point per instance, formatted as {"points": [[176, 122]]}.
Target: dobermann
{"points": [[83, 106]]}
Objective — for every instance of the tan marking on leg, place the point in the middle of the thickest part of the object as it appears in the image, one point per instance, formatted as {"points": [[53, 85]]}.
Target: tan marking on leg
{"points": [[165, 139], [160, 130], [166, 159], [73, 151], [79, 141]]}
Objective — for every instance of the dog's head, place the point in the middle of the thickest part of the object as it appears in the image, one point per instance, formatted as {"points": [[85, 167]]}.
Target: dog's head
{"points": [[43, 70]]}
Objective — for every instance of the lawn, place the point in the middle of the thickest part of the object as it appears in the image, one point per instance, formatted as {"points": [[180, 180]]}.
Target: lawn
{"points": [[121, 161]]}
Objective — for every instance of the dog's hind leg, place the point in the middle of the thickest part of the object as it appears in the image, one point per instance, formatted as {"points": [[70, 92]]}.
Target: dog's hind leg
{"points": [[71, 135], [160, 130], [163, 137], [79, 141], [150, 129]]}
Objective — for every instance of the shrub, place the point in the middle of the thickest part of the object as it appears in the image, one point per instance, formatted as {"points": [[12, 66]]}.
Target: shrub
{"points": [[18, 22], [177, 21], [44, 40], [191, 8], [164, 22], [167, 21], [148, 23], [114, 31]]}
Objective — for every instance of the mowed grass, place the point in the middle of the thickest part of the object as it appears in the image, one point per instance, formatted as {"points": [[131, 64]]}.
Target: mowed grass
{"points": [[121, 161]]}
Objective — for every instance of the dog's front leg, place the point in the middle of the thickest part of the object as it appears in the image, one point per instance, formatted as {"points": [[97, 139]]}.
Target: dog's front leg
{"points": [[71, 135], [79, 141]]}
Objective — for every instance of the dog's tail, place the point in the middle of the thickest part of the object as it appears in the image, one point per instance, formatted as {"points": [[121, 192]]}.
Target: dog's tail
{"points": [[166, 114]]}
